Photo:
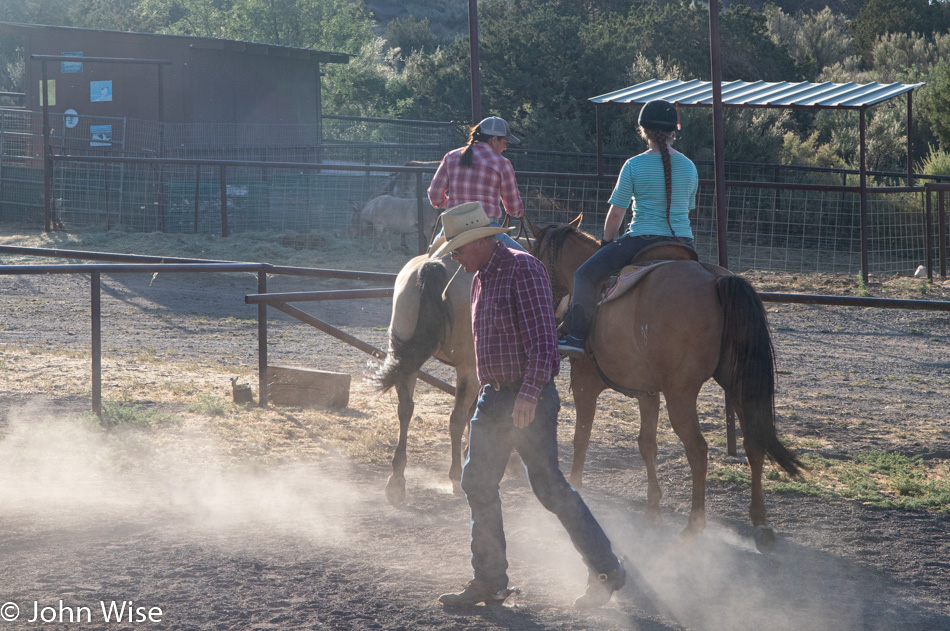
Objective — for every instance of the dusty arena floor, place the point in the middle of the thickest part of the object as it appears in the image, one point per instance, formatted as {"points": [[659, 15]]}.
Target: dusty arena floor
{"points": [[194, 513]]}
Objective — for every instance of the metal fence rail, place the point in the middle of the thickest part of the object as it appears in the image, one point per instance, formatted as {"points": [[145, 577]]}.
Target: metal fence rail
{"points": [[280, 302]]}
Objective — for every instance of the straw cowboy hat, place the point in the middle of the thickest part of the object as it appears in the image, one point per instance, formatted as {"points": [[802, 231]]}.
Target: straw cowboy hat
{"points": [[463, 224]]}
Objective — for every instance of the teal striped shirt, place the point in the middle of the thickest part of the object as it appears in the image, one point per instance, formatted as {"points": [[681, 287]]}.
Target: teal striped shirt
{"points": [[641, 182]]}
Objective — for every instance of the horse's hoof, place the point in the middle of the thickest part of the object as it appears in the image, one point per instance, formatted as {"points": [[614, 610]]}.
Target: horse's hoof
{"points": [[764, 536], [456, 487], [396, 490], [653, 518]]}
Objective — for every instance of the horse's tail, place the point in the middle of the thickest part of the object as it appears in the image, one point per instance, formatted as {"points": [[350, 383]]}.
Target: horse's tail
{"points": [[747, 367], [434, 320]]}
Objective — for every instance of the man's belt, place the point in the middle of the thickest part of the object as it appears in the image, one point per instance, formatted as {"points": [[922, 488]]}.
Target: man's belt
{"points": [[498, 386]]}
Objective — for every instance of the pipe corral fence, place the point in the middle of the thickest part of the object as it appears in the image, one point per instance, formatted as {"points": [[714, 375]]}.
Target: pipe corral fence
{"points": [[272, 178], [125, 263]]}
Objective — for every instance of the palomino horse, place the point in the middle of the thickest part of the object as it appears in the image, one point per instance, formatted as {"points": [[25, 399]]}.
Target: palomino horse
{"points": [[431, 317], [682, 324]]}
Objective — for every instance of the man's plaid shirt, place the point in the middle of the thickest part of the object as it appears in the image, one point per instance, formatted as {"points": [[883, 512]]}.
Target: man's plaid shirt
{"points": [[513, 322], [491, 176]]}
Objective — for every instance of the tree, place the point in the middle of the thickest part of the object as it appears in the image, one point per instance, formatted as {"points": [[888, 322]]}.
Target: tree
{"points": [[410, 35], [879, 17], [817, 38], [936, 103]]}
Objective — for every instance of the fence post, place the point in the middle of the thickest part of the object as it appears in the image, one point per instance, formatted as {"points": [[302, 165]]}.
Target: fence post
{"points": [[105, 179], [96, 308], [223, 181], [928, 235], [942, 232], [420, 211], [262, 340], [47, 155], [197, 193]]}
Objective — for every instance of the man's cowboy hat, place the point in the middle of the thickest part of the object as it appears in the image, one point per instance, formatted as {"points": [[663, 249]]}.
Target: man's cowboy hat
{"points": [[463, 224]]}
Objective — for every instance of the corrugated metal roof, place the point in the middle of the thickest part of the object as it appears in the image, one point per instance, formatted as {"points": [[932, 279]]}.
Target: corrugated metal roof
{"points": [[323, 56], [760, 93]]}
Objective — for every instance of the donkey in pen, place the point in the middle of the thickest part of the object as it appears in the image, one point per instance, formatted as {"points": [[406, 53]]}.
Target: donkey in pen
{"points": [[388, 215]]}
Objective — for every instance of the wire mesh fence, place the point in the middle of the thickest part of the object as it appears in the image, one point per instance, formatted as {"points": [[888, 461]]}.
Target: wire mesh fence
{"points": [[306, 180]]}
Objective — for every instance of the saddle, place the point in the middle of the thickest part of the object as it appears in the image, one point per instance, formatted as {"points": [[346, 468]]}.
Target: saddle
{"points": [[646, 261]]}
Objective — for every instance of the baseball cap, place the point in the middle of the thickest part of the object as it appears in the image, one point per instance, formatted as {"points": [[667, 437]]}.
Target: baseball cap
{"points": [[495, 126]]}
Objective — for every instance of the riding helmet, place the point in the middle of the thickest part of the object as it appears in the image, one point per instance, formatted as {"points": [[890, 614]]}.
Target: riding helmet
{"points": [[659, 114]]}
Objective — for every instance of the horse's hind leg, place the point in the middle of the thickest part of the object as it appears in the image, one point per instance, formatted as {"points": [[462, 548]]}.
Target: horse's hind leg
{"points": [[763, 533], [685, 421], [396, 485], [466, 391], [646, 441]]}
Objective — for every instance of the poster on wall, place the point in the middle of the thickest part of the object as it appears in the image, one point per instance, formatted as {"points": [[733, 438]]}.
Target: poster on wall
{"points": [[51, 87], [67, 67], [70, 118], [100, 91], [101, 135]]}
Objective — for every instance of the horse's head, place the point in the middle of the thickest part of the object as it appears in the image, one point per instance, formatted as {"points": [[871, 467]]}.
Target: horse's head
{"points": [[562, 249]]}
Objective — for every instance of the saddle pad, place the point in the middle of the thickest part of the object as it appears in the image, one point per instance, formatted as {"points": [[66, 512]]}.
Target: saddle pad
{"points": [[628, 278]]}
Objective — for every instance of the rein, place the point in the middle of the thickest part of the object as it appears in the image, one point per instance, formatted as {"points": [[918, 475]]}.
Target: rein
{"points": [[556, 235], [522, 232]]}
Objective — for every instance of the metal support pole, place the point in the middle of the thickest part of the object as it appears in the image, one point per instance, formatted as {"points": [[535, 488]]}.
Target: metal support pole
{"points": [[600, 139], [476, 73], [722, 221], [262, 341], [864, 195], [96, 308], [910, 146]]}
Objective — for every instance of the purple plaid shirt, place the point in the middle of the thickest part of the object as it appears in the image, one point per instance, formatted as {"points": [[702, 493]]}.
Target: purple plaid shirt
{"points": [[491, 176], [513, 322]]}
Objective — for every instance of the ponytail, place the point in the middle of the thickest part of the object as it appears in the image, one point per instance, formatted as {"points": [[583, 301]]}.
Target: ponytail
{"points": [[475, 135]]}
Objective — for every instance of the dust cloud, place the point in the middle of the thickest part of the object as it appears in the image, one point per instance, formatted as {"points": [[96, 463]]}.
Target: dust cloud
{"points": [[717, 581], [70, 468], [67, 473]]}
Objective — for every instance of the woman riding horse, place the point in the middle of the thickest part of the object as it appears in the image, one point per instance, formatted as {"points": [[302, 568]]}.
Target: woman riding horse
{"points": [[661, 183]]}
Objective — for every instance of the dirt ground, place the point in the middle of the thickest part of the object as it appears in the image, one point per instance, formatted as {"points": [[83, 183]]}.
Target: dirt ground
{"points": [[246, 520]]}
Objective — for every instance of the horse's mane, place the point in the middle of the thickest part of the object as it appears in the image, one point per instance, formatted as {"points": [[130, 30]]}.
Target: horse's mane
{"points": [[552, 237]]}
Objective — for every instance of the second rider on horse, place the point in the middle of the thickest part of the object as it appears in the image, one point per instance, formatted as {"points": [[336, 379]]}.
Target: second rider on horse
{"points": [[660, 185]]}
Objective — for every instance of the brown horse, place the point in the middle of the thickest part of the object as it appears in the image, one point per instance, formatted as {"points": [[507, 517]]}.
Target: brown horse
{"points": [[682, 325], [431, 317]]}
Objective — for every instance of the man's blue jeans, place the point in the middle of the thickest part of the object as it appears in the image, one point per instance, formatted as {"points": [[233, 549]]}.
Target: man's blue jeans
{"points": [[492, 436]]}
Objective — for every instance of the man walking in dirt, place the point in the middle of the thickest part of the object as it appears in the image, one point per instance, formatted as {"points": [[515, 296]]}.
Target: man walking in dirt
{"points": [[516, 359]]}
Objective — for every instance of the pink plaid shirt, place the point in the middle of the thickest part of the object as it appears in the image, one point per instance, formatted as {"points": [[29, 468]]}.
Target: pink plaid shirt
{"points": [[513, 322], [491, 176]]}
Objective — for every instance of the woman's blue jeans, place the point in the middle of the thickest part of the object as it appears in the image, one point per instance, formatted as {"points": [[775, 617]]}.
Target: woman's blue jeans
{"points": [[492, 436], [591, 274]]}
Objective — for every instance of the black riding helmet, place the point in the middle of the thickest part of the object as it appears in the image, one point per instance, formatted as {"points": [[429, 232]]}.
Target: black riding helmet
{"points": [[659, 114]]}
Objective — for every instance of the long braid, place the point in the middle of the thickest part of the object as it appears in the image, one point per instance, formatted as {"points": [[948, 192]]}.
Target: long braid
{"points": [[475, 135], [662, 140]]}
